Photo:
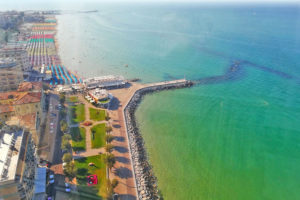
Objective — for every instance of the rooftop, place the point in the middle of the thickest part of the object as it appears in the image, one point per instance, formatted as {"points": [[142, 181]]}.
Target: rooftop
{"points": [[40, 180], [29, 97], [10, 145], [7, 62], [99, 94], [104, 81], [6, 108], [104, 78], [30, 86], [11, 95]]}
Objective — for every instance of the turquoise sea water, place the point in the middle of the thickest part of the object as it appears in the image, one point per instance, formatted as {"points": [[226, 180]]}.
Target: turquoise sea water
{"points": [[234, 136]]}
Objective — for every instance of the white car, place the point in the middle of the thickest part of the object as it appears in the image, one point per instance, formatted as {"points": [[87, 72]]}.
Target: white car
{"points": [[51, 179], [68, 189]]}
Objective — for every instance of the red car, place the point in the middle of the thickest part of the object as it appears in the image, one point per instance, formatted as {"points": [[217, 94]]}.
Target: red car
{"points": [[92, 179]]}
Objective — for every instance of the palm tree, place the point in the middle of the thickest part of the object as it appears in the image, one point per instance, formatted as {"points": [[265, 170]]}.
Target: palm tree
{"points": [[109, 148], [110, 160], [109, 138], [108, 129]]}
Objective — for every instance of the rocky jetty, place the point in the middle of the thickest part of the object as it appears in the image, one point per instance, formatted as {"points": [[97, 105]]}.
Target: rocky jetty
{"points": [[146, 181]]}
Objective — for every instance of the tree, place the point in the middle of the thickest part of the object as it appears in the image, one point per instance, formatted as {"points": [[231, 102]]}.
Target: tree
{"points": [[114, 183], [108, 129], [110, 160], [66, 137], [67, 157], [63, 126], [70, 170], [109, 138], [62, 113], [65, 144], [109, 190], [62, 98], [109, 148], [107, 118]]}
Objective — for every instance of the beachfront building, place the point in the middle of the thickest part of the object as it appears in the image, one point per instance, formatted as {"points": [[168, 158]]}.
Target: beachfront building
{"points": [[6, 112], [105, 82], [19, 54], [24, 107], [11, 74], [18, 163], [99, 97]]}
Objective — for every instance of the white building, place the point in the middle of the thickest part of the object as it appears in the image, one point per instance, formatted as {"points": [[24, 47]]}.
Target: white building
{"points": [[100, 97], [105, 82], [17, 164]]}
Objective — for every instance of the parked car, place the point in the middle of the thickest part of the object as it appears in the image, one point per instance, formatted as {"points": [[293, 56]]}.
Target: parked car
{"points": [[51, 178], [68, 189]]}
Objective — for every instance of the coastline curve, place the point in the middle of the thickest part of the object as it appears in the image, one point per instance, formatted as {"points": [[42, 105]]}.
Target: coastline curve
{"points": [[145, 180]]}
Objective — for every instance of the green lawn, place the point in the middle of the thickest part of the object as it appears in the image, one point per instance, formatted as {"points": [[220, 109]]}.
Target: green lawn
{"points": [[84, 170], [78, 138], [97, 114], [105, 101], [99, 136], [77, 113], [73, 99]]}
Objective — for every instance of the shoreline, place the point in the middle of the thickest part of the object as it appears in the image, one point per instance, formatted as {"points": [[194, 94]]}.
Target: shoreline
{"points": [[145, 180]]}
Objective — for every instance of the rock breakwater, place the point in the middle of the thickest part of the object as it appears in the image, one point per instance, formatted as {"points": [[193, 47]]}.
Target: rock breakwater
{"points": [[145, 180]]}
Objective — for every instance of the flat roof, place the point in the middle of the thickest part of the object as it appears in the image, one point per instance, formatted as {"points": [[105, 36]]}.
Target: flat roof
{"points": [[9, 158], [40, 180]]}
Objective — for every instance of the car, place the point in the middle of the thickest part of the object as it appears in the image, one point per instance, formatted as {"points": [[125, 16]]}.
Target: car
{"points": [[68, 189], [92, 180], [49, 198], [53, 114], [51, 178]]}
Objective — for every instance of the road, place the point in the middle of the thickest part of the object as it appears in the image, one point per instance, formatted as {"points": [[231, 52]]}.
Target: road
{"points": [[54, 140]]}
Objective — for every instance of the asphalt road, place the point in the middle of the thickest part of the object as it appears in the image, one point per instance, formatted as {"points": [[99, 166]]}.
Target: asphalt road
{"points": [[54, 138]]}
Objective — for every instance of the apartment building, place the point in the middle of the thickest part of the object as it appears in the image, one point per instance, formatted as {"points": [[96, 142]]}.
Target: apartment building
{"points": [[11, 74], [18, 163]]}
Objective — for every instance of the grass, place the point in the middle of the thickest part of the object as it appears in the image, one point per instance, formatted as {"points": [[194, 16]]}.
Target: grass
{"points": [[99, 136], [77, 113], [97, 114], [105, 101], [73, 99], [84, 170], [78, 138]]}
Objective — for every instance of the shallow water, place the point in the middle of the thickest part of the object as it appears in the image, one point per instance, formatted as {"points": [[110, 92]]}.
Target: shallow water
{"points": [[233, 136]]}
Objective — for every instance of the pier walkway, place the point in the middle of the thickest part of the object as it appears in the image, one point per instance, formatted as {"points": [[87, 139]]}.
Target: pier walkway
{"points": [[123, 170]]}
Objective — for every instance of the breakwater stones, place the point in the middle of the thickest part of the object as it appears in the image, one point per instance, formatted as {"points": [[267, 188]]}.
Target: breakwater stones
{"points": [[146, 181]]}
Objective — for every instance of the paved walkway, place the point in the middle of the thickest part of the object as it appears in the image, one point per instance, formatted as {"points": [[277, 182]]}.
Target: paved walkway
{"points": [[89, 151]]}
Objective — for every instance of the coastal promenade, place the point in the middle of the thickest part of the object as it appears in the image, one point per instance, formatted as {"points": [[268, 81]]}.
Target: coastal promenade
{"points": [[125, 167]]}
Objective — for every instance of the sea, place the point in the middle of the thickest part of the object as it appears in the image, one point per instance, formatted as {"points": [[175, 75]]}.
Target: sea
{"points": [[234, 135]]}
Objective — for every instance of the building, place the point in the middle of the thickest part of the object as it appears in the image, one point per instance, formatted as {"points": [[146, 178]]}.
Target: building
{"points": [[40, 184], [30, 86], [107, 82], [11, 74], [18, 163], [18, 53], [29, 103], [24, 107], [6, 111], [100, 97]]}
